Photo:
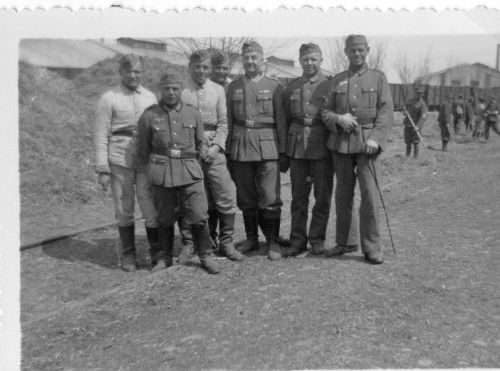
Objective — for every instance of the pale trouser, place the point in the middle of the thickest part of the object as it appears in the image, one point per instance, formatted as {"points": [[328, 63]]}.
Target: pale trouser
{"points": [[219, 185], [125, 185]]}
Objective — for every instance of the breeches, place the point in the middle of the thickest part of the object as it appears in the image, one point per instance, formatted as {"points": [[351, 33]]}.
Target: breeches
{"points": [[220, 188]]}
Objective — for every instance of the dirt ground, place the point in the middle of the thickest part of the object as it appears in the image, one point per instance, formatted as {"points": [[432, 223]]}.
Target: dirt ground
{"points": [[435, 304]]}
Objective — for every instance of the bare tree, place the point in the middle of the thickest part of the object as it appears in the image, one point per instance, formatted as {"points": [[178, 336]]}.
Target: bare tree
{"points": [[376, 58], [411, 69]]}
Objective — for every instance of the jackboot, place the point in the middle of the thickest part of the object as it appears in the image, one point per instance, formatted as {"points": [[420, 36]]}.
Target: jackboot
{"points": [[445, 146], [204, 245], [408, 150], [250, 219], [269, 222], [415, 151], [226, 246], [154, 248], [187, 250], [213, 222], [164, 258], [127, 238]]}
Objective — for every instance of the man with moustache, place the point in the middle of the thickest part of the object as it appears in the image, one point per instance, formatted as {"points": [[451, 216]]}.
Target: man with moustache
{"points": [[114, 134], [208, 98], [359, 117], [256, 147], [310, 159], [169, 142]]}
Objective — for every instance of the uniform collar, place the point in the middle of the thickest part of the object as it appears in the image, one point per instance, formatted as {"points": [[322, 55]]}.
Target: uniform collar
{"points": [[361, 71], [166, 108], [193, 84], [256, 79], [126, 89], [313, 79]]}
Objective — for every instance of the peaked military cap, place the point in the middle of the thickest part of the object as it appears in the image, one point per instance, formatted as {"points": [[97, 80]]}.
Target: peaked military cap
{"points": [[252, 46], [199, 56], [309, 48], [130, 60], [353, 40], [171, 77], [219, 57]]}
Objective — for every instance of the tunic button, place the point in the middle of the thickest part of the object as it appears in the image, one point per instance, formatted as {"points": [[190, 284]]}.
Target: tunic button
{"points": [[175, 122], [354, 96], [175, 133], [175, 145]]}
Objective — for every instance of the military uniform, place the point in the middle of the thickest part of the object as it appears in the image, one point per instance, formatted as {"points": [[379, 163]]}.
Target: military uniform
{"points": [[457, 109], [491, 118], [444, 120], [416, 109], [310, 160], [257, 136], [169, 142], [366, 95]]}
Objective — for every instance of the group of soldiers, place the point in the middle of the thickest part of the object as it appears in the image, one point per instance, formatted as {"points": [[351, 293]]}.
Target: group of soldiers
{"points": [[210, 146]]}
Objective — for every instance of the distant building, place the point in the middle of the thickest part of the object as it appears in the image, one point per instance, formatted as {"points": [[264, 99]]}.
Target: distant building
{"points": [[475, 75], [148, 44]]}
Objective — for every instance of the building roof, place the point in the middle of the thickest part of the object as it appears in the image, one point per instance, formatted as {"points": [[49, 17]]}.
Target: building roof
{"points": [[153, 41], [476, 66]]}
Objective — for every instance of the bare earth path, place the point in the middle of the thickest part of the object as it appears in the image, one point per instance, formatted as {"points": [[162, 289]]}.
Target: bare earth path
{"points": [[435, 304]]}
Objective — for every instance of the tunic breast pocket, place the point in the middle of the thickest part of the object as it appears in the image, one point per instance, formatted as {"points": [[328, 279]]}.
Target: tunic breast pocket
{"points": [[369, 97], [159, 135], [295, 104], [189, 129], [340, 98], [265, 103], [237, 100]]}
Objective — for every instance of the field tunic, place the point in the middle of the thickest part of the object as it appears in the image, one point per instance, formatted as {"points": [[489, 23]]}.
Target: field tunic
{"points": [[118, 110], [168, 145], [306, 133], [210, 101], [366, 95], [416, 109], [256, 118]]}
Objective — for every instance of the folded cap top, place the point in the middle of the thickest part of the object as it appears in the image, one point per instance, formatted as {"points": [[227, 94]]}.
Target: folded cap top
{"points": [[353, 40], [199, 56], [219, 57], [171, 77], [252, 46], [309, 48]]}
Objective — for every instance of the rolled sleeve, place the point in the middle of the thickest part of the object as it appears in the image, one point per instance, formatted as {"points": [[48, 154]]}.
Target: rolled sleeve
{"points": [[101, 131]]}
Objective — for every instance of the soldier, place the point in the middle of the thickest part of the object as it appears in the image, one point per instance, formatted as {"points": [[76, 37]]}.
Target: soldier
{"points": [[169, 142], [457, 109], [220, 69], [359, 117], [209, 99], [479, 107], [444, 120], [310, 160], [115, 149], [256, 148], [491, 117], [469, 114], [417, 110]]}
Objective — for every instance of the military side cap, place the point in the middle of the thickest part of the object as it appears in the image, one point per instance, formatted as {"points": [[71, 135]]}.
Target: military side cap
{"points": [[420, 89], [219, 57], [199, 56], [309, 48], [353, 40], [252, 46], [171, 77], [130, 60]]}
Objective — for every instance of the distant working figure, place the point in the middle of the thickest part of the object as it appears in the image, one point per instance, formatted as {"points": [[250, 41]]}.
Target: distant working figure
{"points": [[115, 150], [444, 120], [359, 117], [458, 111], [491, 112], [416, 109], [479, 118], [257, 149], [209, 99], [170, 141], [469, 114]]}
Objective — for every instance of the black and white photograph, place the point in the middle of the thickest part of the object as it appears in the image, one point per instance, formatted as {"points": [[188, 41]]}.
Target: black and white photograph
{"points": [[286, 190]]}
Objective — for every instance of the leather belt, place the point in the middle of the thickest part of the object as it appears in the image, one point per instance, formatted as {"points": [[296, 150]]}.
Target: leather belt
{"points": [[307, 121], [209, 127], [125, 132], [158, 158], [251, 124]]}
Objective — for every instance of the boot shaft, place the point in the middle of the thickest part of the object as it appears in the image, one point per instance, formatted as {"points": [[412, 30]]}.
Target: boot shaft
{"points": [[127, 238], [250, 219]]}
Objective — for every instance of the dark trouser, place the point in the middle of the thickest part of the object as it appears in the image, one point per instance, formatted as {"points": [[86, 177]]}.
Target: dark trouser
{"points": [[365, 166], [490, 124], [457, 123], [257, 184], [445, 131], [304, 174]]}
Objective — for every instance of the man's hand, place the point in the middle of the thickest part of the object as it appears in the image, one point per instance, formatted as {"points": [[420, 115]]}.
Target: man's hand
{"points": [[104, 180], [284, 163], [347, 122], [210, 155], [372, 147], [328, 117]]}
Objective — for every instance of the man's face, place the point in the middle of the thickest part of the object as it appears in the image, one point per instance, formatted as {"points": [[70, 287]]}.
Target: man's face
{"points": [[220, 72], [311, 63], [252, 63], [418, 94], [357, 54], [131, 77], [171, 93], [200, 71]]}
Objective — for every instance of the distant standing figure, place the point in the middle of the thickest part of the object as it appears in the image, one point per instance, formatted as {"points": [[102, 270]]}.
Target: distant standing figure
{"points": [[115, 150], [469, 114], [457, 109], [491, 112], [479, 118], [416, 109], [444, 120]]}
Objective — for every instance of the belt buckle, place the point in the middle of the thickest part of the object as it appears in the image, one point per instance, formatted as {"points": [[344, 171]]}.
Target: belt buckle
{"points": [[175, 153], [249, 123], [308, 121]]}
